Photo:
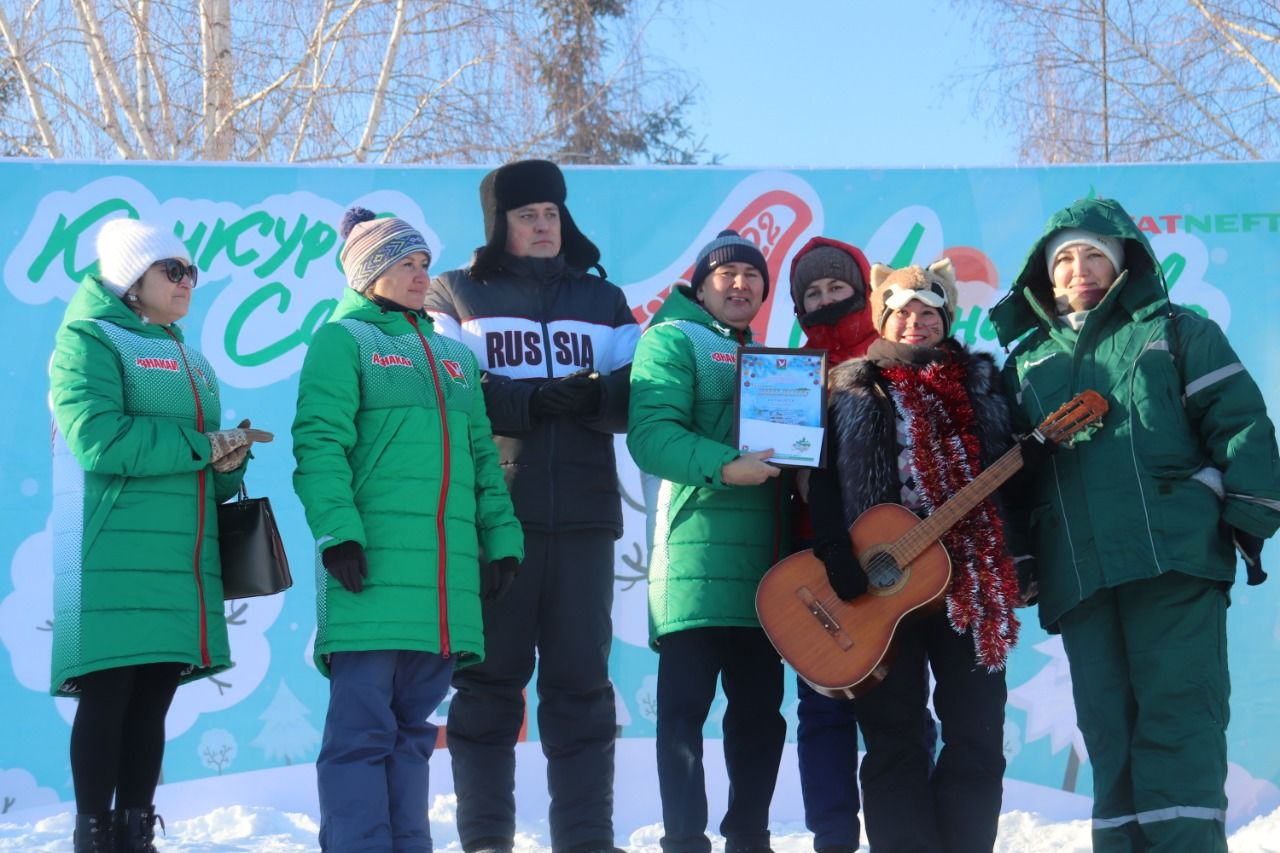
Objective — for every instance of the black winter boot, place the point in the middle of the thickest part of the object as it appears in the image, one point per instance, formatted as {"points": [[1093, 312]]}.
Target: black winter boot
{"points": [[94, 833], [136, 829]]}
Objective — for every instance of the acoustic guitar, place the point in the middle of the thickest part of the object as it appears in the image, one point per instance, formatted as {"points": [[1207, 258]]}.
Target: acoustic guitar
{"points": [[841, 647]]}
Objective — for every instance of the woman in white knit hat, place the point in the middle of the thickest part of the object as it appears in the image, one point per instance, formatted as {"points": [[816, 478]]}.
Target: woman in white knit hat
{"points": [[139, 465]]}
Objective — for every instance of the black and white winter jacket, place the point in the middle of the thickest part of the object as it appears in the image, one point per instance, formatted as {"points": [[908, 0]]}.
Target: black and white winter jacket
{"points": [[535, 320]]}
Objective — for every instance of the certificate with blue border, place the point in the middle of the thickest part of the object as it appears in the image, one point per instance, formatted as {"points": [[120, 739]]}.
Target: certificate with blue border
{"points": [[781, 403]]}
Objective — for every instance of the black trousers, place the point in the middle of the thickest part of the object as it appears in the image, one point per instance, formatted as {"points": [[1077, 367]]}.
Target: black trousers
{"points": [[750, 670], [957, 808], [117, 739], [558, 612]]}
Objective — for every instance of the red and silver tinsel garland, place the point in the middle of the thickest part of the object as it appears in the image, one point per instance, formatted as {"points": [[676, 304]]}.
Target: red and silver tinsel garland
{"points": [[945, 457]]}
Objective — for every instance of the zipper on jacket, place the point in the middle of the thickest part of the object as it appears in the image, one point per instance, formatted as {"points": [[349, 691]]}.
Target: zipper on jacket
{"points": [[442, 551], [551, 422], [205, 659]]}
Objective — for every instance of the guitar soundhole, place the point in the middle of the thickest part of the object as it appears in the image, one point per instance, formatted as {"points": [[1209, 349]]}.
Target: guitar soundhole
{"points": [[883, 572]]}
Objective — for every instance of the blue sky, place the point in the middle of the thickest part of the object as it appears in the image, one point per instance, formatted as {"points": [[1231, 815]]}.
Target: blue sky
{"points": [[858, 83]]}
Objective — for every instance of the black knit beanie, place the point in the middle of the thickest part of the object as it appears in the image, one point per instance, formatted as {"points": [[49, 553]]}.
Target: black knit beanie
{"points": [[729, 247]]}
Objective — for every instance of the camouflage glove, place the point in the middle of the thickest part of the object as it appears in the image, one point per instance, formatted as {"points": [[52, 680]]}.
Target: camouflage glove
{"points": [[232, 460], [225, 441]]}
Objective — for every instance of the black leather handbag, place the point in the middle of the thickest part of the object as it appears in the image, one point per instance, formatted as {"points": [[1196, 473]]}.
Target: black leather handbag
{"points": [[253, 558]]}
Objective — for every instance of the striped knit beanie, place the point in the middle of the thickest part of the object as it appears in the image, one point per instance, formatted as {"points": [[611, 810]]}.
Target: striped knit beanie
{"points": [[373, 245], [729, 247]]}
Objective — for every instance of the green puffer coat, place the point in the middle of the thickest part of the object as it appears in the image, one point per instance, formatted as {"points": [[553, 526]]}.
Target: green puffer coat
{"points": [[712, 542], [1128, 502], [394, 452], [135, 526]]}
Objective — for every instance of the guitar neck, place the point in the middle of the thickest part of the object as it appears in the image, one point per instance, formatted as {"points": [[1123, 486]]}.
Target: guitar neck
{"points": [[935, 526]]}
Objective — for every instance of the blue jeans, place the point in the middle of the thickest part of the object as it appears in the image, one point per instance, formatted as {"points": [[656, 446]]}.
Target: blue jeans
{"points": [[372, 770], [827, 749]]}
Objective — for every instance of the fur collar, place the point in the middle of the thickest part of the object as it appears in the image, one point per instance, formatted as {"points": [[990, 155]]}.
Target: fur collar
{"points": [[864, 429]]}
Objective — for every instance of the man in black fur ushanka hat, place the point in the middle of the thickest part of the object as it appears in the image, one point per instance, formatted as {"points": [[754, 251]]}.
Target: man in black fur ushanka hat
{"points": [[555, 344]]}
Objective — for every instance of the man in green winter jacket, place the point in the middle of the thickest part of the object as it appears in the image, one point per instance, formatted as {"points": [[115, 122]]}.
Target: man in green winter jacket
{"points": [[718, 523], [1133, 528]]}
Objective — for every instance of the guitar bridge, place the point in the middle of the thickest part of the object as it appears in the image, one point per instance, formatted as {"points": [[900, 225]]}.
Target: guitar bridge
{"points": [[825, 618]]}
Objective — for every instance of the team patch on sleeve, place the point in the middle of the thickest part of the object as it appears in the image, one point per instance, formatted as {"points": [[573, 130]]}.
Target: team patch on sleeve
{"points": [[455, 371]]}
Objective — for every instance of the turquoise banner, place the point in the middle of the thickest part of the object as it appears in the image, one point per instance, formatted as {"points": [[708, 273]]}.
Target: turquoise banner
{"points": [[265, 241]]}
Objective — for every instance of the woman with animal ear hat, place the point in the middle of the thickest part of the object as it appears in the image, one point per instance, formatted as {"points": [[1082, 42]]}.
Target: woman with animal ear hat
{"points": [[911, 423]]}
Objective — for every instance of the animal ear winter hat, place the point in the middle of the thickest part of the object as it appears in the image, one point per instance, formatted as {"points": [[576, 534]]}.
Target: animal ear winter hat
{"points": [[373, 245], [935, 286], [128, 247], [1112, 247], [729, 247], [528, 182], [823, 262]]}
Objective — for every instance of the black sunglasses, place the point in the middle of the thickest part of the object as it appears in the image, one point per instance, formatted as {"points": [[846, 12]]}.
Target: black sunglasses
{"points": [[175, 269]]}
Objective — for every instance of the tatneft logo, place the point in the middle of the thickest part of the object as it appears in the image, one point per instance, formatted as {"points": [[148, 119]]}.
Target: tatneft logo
{"points": [[389, 360], [724, 357], [158, 364], [1209, 223]]}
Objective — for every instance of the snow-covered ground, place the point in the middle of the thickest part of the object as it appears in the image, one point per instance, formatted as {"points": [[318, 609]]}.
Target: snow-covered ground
{"points": [[274, 811]]}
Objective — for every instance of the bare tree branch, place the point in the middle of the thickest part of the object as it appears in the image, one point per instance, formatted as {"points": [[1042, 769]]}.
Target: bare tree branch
{"points": [[315, 81], [111, 92], [34, 101], [1192, 81]]}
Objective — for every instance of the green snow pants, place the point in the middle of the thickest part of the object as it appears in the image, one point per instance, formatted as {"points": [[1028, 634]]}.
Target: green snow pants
{"points": [[1149, 676]]}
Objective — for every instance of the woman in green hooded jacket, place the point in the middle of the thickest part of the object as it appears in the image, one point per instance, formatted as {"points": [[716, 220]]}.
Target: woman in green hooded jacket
{"points": [[399, 478], [1132, 529], [139, 466]]}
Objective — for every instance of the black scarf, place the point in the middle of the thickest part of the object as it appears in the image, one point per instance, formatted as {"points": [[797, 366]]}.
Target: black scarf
{"points": [[885, 353]]}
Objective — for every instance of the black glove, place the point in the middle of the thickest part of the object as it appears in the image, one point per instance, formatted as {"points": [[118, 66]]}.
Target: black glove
{"points": [[1250, 548], [576, 394], [497, 576], [1035, 450], [1028, 586], [346, 562], [550, 399], [585, 388], [844, 572]]}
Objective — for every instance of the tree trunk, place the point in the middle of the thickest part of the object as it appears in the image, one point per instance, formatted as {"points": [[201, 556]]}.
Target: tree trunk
{"points": [[215, 26]]}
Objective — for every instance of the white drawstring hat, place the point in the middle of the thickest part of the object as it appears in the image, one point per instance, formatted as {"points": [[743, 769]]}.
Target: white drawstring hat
{"points": [[1112, 247]]}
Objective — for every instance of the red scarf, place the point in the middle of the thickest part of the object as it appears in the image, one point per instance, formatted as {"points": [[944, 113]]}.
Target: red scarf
{"points": [[846, 338], [945, 457]]}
